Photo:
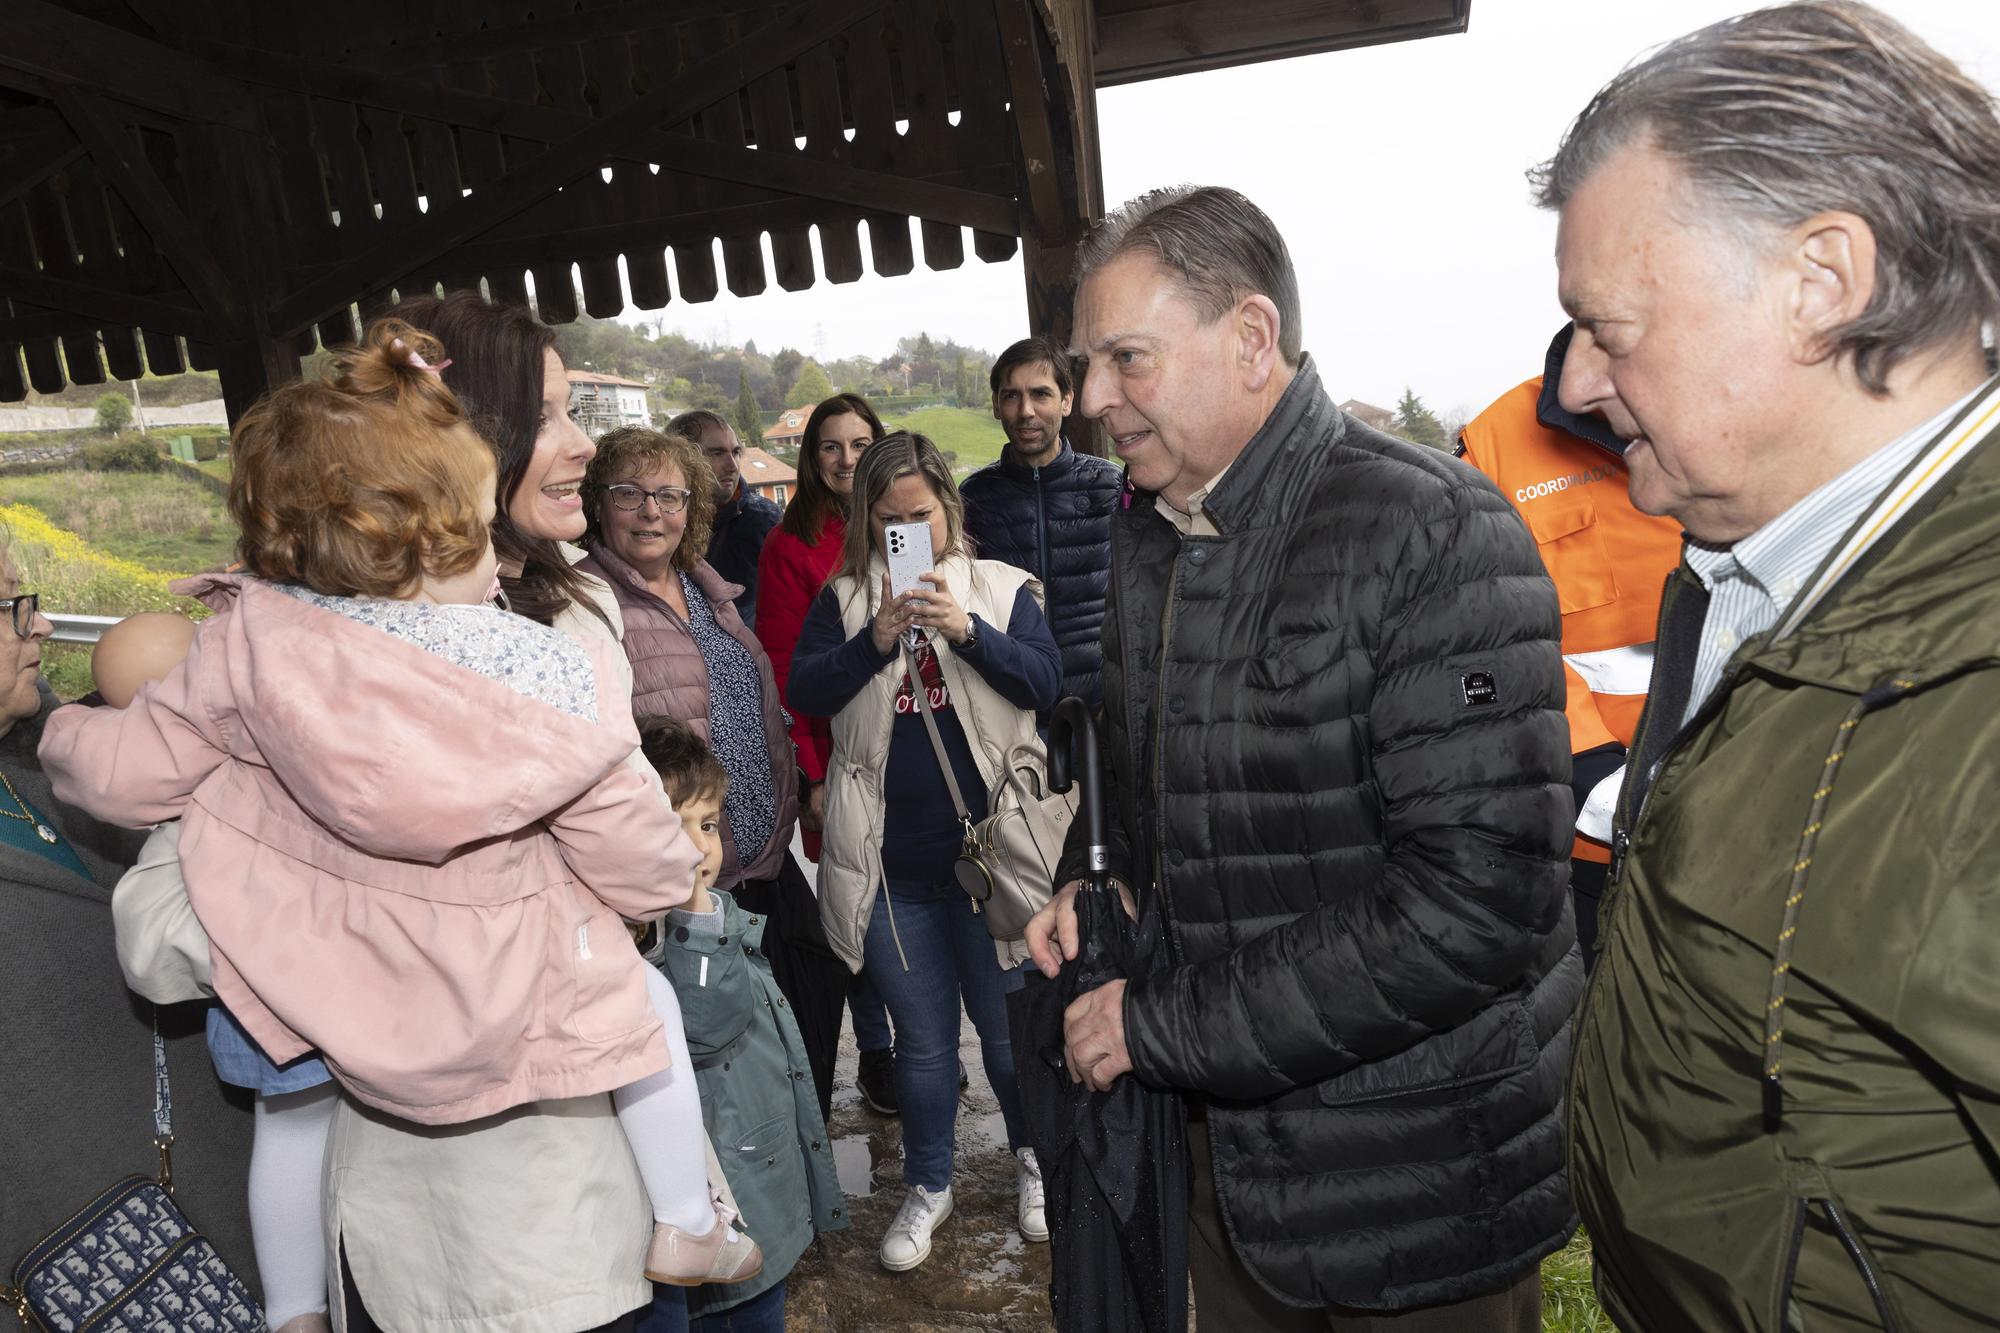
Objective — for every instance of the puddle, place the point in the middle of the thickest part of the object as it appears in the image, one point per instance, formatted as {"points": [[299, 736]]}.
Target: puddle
{"points": [[853, 1161], [979, 1131]]}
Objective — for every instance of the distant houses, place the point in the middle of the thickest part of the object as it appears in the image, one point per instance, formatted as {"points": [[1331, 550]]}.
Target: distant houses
{"points": [[606, 402], [768, 476], [790, 430], [1380, 418]]}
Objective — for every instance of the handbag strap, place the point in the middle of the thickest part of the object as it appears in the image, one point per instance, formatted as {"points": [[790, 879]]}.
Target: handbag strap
{"points": [[163, 1108], [923, 693]]}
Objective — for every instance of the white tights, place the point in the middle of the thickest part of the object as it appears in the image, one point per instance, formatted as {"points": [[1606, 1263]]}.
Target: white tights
{"points": [[661, 1114], [286, 1161]]}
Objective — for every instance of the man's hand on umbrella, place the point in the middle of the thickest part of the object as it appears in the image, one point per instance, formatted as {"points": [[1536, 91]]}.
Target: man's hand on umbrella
{"points": [[1052, 931], [1094, 1037]]}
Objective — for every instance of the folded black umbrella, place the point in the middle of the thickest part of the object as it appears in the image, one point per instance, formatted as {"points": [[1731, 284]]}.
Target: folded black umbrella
{"points": [[1114, 1164]]}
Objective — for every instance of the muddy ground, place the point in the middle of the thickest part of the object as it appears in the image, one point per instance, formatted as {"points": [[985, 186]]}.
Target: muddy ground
{"points": [[981, 1275]]}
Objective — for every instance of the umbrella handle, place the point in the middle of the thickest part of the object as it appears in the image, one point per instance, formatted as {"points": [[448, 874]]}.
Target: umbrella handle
{"points": [[1072, 723]]}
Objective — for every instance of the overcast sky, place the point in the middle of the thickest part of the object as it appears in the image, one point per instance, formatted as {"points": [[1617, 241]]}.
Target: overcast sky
{"points": [[1394, 172]]}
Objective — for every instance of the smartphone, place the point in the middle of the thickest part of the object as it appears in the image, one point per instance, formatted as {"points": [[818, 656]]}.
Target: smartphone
{"points": [[909, 555]]}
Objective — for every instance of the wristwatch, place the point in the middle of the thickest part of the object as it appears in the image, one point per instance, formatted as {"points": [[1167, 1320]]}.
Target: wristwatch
{"points": [[971, 629]]}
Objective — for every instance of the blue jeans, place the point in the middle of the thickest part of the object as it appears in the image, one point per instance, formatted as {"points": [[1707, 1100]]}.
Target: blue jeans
{"points": [[951, 961], [871, 1020], [762, 1313]]}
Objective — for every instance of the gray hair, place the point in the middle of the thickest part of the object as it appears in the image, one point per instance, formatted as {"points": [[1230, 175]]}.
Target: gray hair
{"points": [[1218, 245], [1818, 106]]}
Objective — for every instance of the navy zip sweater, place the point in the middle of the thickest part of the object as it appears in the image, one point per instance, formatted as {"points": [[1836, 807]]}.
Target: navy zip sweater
{"points": [[1054, 522]]}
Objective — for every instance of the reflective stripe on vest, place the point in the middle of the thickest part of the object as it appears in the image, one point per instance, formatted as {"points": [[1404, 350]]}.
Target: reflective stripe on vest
{"points": [[1627, 670]]}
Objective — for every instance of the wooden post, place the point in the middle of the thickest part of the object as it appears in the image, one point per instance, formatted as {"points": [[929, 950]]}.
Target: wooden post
{"points": [[1055, 106], [253, 359]]}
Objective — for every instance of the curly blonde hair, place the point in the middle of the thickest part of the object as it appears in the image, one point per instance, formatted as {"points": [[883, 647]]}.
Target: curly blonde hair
{"points": [[631, 451], [359, 483]]}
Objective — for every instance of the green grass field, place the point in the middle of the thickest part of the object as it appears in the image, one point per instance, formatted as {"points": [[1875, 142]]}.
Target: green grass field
{"points": [[1569, 1304], [970, 433], [154, 519]]}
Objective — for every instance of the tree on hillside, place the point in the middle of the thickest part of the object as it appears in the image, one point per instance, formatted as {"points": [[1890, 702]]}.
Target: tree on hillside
{"points": [[114, 412], [961, 384], [811, 387], [1453, 421], [1417, 423], [749, 422], [785, 367]]}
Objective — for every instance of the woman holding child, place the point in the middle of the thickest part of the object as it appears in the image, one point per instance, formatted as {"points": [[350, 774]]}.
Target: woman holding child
{"points": [[987, 662], [533, 1218], [402, 798]]}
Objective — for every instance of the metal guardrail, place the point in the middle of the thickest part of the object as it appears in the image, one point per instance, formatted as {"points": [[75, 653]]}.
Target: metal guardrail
{"points": [[80, 629]]}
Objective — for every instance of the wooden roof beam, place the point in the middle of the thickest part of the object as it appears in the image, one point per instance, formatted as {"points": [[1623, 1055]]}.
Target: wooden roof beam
{"points": [[93, 305], [775, 168], [627, 20], [116, 155], [47, 48], [1032, 98], [793, 173], [768, 48], [34, 163], [1152, 39]]}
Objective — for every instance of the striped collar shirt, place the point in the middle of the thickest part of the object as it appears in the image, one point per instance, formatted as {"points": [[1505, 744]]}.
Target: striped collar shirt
{"points": [[1195, 520], [1751, 582]]}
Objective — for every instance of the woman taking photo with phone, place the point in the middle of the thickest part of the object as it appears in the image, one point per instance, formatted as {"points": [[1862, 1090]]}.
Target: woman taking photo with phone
{"points": [[798, 557], [986, 660]]}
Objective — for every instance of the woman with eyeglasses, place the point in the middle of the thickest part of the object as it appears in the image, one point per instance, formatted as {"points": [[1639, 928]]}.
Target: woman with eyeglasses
{"points": [[76, 1051], [650, 497]]}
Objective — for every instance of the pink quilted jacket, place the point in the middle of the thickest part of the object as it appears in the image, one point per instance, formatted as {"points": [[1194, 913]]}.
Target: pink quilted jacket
{"points": [[414, 866]]}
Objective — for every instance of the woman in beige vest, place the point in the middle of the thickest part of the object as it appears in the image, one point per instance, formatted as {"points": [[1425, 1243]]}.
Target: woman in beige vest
{"points": [[987, 662]]}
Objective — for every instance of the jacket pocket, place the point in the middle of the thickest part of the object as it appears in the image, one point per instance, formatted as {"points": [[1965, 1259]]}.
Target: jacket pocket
{"points": [[609, 1000], [1494, 1043], [1573, 552]]}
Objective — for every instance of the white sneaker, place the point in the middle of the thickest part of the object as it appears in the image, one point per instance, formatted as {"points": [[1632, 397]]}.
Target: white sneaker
{"points": [[909, 1240], [1030, 1205]]}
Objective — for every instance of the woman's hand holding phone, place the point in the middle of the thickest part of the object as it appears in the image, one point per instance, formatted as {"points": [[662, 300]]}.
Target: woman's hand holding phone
{"points": [[891, 620], [935, 608]]}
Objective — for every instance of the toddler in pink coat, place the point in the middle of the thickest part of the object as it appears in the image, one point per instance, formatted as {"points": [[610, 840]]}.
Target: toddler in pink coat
{"points": [[410, 829]]}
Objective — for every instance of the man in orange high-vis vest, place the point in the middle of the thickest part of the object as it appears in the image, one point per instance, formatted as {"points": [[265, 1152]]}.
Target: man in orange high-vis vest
{"points": [[1566, 475]]}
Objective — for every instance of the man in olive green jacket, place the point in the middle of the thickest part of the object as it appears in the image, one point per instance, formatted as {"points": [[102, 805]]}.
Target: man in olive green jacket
{"points": [[1779, 240]]}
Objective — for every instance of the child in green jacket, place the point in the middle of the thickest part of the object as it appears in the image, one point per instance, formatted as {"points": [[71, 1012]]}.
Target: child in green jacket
{"points": [[757, 1095]]}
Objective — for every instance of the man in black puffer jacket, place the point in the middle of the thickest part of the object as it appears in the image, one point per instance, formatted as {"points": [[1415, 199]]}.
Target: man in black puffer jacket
{"points": [[1046, 508], [1339, 767]]}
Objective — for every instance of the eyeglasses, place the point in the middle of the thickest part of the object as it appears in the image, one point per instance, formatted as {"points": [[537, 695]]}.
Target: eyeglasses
{"points": [[25, 607], [670, 499]]}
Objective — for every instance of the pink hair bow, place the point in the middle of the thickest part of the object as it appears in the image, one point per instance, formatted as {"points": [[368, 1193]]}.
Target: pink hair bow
{"points": [[418, 361]]}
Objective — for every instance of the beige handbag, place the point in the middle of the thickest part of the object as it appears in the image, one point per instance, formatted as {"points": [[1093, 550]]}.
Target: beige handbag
{"points": [[1008, 864]]}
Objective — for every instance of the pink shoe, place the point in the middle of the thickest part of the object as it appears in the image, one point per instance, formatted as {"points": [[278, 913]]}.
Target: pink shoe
{"points": [[723, 1255]]}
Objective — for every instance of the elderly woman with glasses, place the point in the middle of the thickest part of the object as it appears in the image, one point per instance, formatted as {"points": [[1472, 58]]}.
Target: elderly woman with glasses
{"points": [[76, 1051], [651, 501], [650, 497]]}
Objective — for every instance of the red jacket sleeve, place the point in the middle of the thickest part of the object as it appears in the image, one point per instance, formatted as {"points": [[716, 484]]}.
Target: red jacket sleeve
{"points": [[785, 590]]}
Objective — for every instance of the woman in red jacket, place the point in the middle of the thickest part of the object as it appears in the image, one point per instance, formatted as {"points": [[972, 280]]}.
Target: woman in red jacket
{"points": [[798, 556]]}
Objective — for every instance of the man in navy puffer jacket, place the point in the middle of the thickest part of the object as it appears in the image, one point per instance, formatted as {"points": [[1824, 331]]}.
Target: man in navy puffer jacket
{"points": [[1046, 508]]}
